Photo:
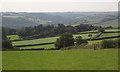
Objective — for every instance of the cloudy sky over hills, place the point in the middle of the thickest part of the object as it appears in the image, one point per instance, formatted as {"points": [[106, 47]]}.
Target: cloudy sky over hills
{"points": [[59, 6]]}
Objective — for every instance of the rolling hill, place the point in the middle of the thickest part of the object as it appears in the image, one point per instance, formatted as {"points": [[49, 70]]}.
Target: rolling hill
{"points": [[22, 19]]}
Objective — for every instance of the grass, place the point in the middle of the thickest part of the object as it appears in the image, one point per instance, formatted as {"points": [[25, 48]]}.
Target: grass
{"points": [[107, 30], [13, 37], [53, 39], [0, 60], [84, 36], [82, 59], [44, 40], [35, 41], [113, 23], [108, 35], [38, 46]]}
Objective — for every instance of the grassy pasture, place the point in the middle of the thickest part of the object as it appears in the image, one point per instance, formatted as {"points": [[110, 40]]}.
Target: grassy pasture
{"points": [[108, 35], [13, 37], [53, 39], [44, 40], [35, 41], [85, 36], [113, 23], [82, 59], [38, 46], [107, 30], [0, 60]]}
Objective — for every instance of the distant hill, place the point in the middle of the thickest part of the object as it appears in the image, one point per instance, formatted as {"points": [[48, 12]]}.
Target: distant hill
{"points": [[22, 19]]}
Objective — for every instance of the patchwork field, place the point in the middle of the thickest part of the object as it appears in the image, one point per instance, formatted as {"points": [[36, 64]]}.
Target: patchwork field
{"points": [[83, 59], [44, 40], [53, 39]]}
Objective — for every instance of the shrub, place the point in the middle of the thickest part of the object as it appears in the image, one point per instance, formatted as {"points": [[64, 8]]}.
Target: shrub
{"points": [[110, 43], [64, 41], [6, 44], [101, 30], [79, 40]]}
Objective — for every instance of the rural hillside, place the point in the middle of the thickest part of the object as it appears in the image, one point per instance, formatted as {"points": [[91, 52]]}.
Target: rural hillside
{"points": [[24, 19], [60, 41]]}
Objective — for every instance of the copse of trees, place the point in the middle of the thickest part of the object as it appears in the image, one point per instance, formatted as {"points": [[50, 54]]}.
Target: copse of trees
{"points": [[90, 35], [79, 40], [67, 40], [64, 41], [42, 31], [110, 43], [6, 43], [102, 30]]}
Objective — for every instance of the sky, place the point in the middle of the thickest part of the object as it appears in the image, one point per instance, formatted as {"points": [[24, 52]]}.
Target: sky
{"points": [[58, 5]]}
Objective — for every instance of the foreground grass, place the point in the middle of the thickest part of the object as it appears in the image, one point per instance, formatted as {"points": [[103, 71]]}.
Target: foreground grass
{"points": [[0, 60], [82, 59]]}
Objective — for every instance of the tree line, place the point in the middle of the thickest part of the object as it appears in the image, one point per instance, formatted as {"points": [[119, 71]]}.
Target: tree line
{"points": [[42, 31]]}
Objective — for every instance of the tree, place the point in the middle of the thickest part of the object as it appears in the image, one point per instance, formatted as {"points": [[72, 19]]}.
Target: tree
{"points": [[64, 41], [6, 43], [101, 30], [58, 44], [79, 40], [90, 35]]}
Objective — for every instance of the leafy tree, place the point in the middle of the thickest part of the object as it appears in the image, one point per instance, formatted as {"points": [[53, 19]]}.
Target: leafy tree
{"points": [[58, 44], [79, 40], [101, 30], [6, 43], [64, 41], [90, 35], [42, 31]]}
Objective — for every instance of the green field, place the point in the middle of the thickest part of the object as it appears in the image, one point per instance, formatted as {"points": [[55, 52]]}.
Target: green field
{"points": [[113, 23], [13, 37], [39, 46], [82, 59], [106, 30], [108, 35], [44, 40], [0, 60], [53, 39], [35, 41], [109, 30]]}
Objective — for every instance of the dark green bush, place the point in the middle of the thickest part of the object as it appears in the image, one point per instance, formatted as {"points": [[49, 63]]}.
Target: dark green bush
{"points": [[110, 43], [6, 44], [64, 41], [79, 40]]}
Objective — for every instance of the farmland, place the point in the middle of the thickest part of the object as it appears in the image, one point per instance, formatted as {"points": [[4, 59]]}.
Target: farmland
{"points": [[83, 59], [39, 46], [44, 40], [13, 37], [108, 35], [53, 39], [30, 40]]}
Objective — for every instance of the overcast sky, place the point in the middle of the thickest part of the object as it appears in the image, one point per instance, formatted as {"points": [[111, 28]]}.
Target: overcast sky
{"points": [[58, 6]]}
